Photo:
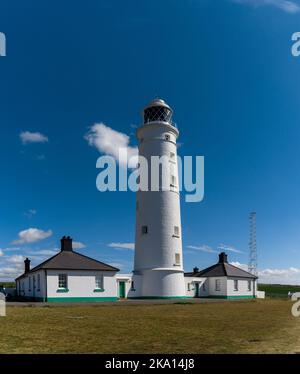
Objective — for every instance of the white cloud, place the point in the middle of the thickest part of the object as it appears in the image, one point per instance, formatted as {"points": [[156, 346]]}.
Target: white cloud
{"points": [[33, 137], [121, 245], [9, 273], [78, 245], [44, 252], [239, 265], [32, 235], [16, 259], [10, 249], [202, 248], [285, 5], [289, 275], [109, 141], [30, 213], [229, 248]]}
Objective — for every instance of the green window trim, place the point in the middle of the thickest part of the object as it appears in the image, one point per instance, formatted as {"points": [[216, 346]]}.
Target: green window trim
{"points": [[99, 290], [62, 290]]}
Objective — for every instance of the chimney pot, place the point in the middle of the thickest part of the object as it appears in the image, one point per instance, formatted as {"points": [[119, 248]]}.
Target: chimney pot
{"points": [[27, 265], [196, 270], [66, 243], [223, 258]]}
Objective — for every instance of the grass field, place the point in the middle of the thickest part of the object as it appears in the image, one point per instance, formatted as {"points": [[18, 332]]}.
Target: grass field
{"points": [[278, 290], [262, 326]]}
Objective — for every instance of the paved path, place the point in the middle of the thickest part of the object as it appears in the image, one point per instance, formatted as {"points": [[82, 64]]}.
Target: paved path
{"points": [[124, 302]]}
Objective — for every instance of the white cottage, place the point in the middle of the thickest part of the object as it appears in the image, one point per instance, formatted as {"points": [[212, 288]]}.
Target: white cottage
{"points": [[221, 280], [69, 276]]}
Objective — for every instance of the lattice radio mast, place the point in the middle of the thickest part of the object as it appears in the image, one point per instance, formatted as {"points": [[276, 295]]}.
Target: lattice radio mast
{"points": [[252, 266]]}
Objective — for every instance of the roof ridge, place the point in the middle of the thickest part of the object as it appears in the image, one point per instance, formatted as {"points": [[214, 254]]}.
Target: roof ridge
{"points": [[93, 259], [236, 267]]}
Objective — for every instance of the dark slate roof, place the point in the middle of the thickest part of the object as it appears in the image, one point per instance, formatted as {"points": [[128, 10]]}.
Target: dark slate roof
{"points": [[221, 269], [70, 260]]}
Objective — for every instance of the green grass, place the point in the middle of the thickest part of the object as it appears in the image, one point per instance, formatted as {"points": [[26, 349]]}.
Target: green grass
{"points": [[278, 290], [8, 284], [256, 326]]}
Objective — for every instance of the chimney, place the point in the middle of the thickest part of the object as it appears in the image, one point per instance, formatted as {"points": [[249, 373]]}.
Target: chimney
{"points": [[27, 265], [223, 258], [66, 243], [196, 270]]}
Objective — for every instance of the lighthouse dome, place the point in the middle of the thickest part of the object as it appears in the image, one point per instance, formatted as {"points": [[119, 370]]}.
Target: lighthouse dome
{"points": [[157, 110]]}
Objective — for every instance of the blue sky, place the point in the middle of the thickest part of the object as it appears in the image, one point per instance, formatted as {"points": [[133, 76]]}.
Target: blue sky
{"points": [[226, 69]]}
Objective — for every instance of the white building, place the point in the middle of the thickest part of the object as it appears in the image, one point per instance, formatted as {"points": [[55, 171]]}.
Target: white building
{"points": [[69, 276], [221, 280], [158, 263]]}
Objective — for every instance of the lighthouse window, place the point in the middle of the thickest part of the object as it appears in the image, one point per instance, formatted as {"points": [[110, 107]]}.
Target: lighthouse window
{"points": [[173, 180], [172, 155], [167, 137], [144, 229], [176, 231], [177, 258]]}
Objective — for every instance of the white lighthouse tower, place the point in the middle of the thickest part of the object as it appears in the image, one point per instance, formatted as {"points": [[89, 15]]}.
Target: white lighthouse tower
{"points": [[158, 267]]}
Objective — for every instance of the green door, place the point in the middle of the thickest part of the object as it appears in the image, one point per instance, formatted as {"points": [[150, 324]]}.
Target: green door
{"points": [[122, 290], [197, 293]]}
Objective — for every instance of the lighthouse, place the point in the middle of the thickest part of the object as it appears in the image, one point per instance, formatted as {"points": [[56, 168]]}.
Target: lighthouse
{"points": [[158, 262]]}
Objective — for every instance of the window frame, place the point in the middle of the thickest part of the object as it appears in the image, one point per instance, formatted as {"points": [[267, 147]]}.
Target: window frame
{"points": [[99, 282], [249, 285], [145, 230], [218, 285], [176, 232], [177, 259], [63, 283]]}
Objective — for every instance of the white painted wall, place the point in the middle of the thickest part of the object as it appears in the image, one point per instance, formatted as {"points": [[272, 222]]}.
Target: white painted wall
{"points": [[127, 278], [28, 285], [81, 284], [155, 270], [212, 286], [242, 287], [190, 286]]}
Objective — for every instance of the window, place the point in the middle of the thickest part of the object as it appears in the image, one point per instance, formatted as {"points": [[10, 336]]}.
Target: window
{"points": [[29, 284], [39, 281], [218, 285], [144, 229], [189, 286], [249, 285], [173, 180], [132, 286], [203, 287], [177, 258], [236, 285], [172, 156], [62, 281], [167, 137], [176, 231], [99, 282]]}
